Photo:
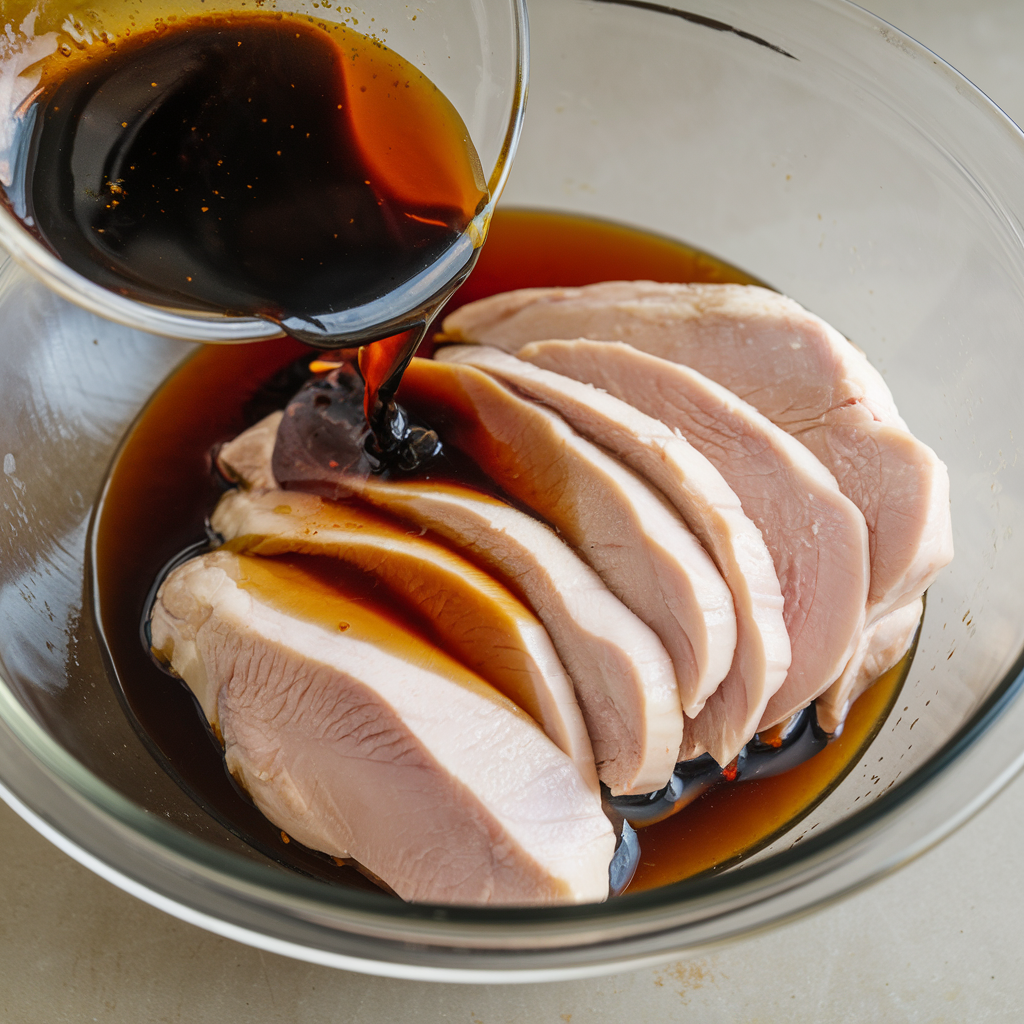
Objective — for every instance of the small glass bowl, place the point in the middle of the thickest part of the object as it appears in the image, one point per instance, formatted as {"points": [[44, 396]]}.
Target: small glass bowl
{"points": [[805, 141], [475, 51]]}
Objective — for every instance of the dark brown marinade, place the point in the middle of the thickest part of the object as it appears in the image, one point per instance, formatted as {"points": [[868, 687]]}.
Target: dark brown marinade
{"points": [[253, 164], [162, 488], [260, 165]]}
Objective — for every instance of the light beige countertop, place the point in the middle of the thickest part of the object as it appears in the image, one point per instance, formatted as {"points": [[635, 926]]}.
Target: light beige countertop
{"points": [[941, 940]]}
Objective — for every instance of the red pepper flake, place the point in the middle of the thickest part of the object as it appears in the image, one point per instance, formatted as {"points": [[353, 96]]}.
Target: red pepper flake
{"points": [[730, 771]]}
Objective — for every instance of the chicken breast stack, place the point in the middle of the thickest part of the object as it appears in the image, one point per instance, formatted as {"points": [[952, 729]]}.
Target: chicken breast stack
{"points": [[803, 378], [715, 517]]}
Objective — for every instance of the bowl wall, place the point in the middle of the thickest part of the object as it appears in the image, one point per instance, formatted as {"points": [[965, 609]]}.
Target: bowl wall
{"points": [[816, 148]]}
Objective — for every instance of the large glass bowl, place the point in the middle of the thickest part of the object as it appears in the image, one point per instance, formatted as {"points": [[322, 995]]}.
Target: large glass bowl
{"points": [[804, 140]]}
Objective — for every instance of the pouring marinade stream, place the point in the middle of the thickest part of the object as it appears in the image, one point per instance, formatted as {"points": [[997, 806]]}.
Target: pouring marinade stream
{"points": [[259, 165], [264, 165]]}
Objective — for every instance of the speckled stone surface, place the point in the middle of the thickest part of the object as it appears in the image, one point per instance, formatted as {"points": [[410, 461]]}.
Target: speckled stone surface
{"points": [[942, 940]]}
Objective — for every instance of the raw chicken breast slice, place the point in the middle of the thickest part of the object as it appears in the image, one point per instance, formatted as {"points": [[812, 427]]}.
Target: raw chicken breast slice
{"points": [[371, 744], [474, 617], [247, 460], [881, 646], [903, 491], [817, 537], [786, 362], [618, 666], [628, 533], [792, 367], [708, 506]]}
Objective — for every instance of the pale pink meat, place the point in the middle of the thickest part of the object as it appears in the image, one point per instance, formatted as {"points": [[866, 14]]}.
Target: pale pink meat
{"points": [[477, 620], [902, 488], [881, 646], [247, 459], [627, 532], [791, 366], [709, 507], [403, 761], [618, 666], [817, 537], [786, 362]]}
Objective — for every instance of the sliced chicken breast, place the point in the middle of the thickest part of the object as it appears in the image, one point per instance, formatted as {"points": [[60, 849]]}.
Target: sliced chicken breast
{"points": [[791, 366], [881, 646], [708, 506], [247, 460], [817, 537], [628, 533], [902, 489], [618, 666], [369, 743], [786, 362], [474, 617]]}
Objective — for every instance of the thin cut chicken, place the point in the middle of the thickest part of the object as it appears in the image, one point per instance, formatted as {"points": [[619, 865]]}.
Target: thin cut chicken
{"points": [[474, 617], [816, 536], [786, 362], [709, 507], [618, 666], [881, 646], [248, 459], [616, 522], [791, 366], [368, 743]]}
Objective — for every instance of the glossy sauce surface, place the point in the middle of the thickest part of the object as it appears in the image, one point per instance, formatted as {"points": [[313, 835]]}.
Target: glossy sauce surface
{"points": [[339, 599], [267, 165], [162, 488], [735, 819]]}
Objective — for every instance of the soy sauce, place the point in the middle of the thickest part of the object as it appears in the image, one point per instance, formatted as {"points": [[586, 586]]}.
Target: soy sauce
{"points": [[261, 165], [258, 165], [161, 489]]}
